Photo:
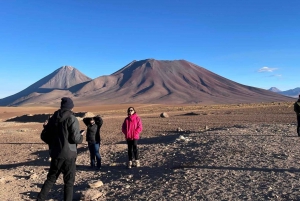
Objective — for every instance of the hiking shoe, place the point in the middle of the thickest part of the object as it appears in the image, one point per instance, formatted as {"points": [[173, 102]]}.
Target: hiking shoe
{"points": [[137, 163], [129, 165]]}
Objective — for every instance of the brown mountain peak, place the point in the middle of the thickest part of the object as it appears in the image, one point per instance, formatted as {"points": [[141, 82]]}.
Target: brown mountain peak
{"points": [[171, 81], [144, 81], [63, 79]]}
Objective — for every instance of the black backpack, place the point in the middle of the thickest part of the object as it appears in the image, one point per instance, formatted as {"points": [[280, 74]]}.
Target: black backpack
{"points": [[47, 134], [50, 129]]}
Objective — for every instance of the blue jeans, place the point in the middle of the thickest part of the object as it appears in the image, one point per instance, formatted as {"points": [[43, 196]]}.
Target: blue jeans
{"points": [[94, 154]]}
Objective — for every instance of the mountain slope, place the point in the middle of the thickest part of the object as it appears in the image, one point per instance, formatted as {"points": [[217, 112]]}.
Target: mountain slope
{"points": [[292, 92], [162, 81], [63, 78]]}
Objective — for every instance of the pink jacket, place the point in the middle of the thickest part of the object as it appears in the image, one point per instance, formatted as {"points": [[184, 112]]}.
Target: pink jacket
{"points": [[132, 127]]}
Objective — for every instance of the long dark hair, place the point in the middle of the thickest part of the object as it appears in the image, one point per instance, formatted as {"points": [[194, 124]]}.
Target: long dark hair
{"points": [[131, 108]]}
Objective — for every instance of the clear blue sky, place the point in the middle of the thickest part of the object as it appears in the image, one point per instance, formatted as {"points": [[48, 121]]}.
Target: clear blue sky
{"points": [[254, 42]]}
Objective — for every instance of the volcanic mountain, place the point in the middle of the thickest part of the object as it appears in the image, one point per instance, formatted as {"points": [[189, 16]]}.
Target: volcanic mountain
{"points": [[62, 82], [145, 81], [171, 82]]}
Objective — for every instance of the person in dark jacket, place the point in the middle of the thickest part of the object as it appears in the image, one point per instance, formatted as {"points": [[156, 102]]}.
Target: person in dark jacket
{"points": [[297, 110], [65, 135], [93, 139]]}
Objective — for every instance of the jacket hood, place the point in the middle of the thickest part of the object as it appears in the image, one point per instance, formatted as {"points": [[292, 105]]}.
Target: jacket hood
{"points": [[63, 115]]}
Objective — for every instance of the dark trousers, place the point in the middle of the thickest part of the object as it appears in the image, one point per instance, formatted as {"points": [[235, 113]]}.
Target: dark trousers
{"points": [[94, 154], [132, 147], [298, 124], [57, 166]]}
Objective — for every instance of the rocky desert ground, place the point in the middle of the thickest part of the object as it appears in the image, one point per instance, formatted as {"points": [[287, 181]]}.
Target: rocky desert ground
{"points": [[199, 152]]}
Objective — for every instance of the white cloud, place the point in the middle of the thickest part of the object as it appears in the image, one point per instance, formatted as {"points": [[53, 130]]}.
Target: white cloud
{"points": [[278, 75], [267, 69]]}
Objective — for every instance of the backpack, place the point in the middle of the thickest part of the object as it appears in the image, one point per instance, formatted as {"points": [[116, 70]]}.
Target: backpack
{"points": [[46, 134], [49, 129]]}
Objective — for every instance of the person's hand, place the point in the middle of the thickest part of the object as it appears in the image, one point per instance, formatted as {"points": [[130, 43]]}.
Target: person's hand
{"points": [[45, 123], [82, 132]]}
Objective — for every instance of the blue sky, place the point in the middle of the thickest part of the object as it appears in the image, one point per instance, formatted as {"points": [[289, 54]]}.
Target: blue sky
{"points": [[253, 42]]}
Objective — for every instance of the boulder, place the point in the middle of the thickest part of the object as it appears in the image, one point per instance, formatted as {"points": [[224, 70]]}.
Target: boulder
{"points": [[164, 115]]}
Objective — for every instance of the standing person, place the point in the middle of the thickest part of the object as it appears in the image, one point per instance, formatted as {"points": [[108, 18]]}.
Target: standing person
{"points": [[297, 110], [63, 136], [132, 127], [93, 139]]}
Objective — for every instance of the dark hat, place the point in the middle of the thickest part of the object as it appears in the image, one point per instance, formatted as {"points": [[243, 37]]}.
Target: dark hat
{"points": [[66, 103]]}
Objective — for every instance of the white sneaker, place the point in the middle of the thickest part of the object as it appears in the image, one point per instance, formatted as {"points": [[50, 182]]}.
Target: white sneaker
{"points": [[137, 163], [129, 165]]}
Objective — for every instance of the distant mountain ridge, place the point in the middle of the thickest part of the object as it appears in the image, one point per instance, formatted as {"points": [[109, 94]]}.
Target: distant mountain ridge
{"points": [[291, 92], [64, 78], [144, 81]]}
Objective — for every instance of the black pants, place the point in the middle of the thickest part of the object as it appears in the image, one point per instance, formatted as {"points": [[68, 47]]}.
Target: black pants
{"points": [[132, 147], [68, 168], [298, 125]]}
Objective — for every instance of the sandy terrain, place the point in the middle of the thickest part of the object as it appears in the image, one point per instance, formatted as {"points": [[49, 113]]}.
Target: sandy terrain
{"points": [[216, 152]]}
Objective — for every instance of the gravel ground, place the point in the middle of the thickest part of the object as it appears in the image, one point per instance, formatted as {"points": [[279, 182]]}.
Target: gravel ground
{"points": [[248, 153]]}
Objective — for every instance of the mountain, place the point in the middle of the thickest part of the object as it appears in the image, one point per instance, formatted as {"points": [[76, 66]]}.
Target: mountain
{"points": [[274, 89], [292, 92], [170, 82], [144, 81], [62, 82]]}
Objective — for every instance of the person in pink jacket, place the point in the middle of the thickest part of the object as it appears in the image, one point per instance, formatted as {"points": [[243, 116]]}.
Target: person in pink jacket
{"points": [[132, 127]]}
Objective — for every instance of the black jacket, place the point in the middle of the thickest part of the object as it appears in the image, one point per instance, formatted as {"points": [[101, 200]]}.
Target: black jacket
{"points": [[297, 107], [91, 134], [93, 131], [66, 134]]}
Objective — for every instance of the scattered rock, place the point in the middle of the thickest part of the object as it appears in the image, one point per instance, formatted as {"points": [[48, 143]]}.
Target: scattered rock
{"points": [[90, 195], [179, 129], [95, 184], [164, 115], [181, 138]]}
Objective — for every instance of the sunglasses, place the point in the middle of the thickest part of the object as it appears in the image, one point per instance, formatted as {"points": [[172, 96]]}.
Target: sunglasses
{"points": [[130, 110]]}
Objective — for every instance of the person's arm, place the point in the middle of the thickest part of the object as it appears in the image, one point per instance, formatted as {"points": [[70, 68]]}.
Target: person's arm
{"points": [[100, 122], [98, 138], [124, 129], [139, 126], [75, 136], [297, 108]]}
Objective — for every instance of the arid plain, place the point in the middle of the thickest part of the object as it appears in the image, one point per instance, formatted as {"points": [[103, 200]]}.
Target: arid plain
{"points": [[200, 152]]}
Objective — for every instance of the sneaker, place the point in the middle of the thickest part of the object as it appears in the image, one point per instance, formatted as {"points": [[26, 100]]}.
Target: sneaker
{"points": [[137, 163], [129, 165], [49, 159]]}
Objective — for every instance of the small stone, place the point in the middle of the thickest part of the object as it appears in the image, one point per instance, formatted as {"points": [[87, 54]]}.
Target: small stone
{"points": [[95, 184]]}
